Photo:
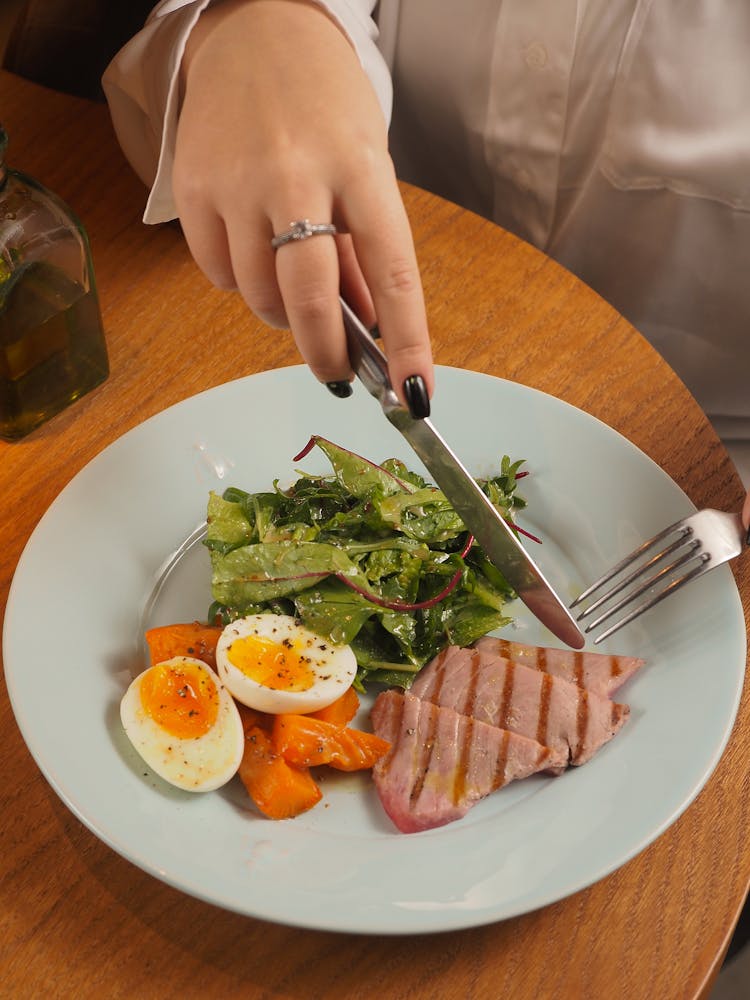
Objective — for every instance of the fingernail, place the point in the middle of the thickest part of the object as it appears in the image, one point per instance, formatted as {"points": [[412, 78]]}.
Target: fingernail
{"points": [[416, 396], [341, 389], [375, 332], [748, 537]]}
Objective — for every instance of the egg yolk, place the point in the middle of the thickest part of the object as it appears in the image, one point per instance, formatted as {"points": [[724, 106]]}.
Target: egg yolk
{"points": [[182, 699], [274, 665]]}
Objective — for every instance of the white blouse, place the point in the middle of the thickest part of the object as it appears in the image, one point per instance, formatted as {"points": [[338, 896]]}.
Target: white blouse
{"points": [[613, 134]]}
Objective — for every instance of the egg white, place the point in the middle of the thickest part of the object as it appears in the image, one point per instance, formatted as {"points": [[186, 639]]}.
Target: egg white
{"points": [[198, 764], [333, 667]]}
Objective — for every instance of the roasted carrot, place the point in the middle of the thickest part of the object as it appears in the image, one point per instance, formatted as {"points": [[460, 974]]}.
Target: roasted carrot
{"points": [[279, 783], [252, 717], [187, 639], [341, 711], [306, 742], [279, 789]]}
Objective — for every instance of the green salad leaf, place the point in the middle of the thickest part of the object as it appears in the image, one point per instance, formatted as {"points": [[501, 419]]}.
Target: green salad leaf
{"points": [[371, 555]]}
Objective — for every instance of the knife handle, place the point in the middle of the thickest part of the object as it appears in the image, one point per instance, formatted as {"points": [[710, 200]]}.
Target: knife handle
{"points": [[368, 361]]}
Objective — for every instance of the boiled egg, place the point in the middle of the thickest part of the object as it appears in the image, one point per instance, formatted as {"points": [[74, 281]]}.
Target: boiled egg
{"points": [[184, 724], [273, 664]]}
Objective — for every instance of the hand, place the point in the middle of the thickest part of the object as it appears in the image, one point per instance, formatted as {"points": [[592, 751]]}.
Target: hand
{"points": [[746, 514], [280, 123]]}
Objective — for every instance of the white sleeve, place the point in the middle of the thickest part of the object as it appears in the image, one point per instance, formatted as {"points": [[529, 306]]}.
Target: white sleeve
{"points": [[141, 85]]}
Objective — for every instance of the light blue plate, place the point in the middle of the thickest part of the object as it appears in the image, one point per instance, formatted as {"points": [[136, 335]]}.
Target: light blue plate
{"points": [[72, 642]]}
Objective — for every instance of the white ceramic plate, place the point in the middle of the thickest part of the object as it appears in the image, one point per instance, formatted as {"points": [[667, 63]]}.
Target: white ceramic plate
{"points": [[72, 642]]}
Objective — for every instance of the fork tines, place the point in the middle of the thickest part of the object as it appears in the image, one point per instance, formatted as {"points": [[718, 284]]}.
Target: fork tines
{"points": [[692, 546]]}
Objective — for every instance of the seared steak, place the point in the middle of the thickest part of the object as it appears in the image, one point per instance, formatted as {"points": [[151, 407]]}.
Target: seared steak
{"points": [[441, 763], [598, 672], [573, 722]]}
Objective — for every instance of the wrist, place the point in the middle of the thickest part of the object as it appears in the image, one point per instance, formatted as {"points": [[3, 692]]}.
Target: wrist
{"points": [[241, 13]]}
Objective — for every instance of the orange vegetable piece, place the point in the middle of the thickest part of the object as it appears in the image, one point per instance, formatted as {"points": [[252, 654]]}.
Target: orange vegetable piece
{"points": [[341, 711], [306, 742], [279, 789], [252, 717], [188, 639]]}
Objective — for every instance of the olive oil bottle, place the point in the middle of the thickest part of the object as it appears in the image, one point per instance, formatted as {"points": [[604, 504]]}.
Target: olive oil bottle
{"points": [[52, 345]]}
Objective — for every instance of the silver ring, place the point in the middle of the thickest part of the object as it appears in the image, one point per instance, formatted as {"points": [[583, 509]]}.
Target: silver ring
{"points": [[301, 230]]}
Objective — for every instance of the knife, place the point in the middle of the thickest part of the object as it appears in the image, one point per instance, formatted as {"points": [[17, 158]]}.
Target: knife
{"points": [[476, 510]]}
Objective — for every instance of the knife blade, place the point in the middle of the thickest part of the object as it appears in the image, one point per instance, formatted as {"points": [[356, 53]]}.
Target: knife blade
{"points": [[476, 510]]}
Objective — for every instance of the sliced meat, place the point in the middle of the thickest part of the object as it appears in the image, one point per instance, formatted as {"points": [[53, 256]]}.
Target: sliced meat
{"points": [[573, 722], [441, 763], [598, 672]]}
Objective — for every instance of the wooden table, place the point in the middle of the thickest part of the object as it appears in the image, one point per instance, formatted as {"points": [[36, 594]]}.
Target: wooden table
{"points": [[76, 920]]}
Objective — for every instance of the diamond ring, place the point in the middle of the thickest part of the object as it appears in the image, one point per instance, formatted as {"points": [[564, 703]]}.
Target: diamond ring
{"points": [[301, 230]]}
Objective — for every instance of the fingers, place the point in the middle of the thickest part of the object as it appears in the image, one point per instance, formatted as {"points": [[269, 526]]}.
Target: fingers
{"points": [[385, 251], [298, 285], [374, 266], [307, 272], [353, 285], [295, 286], [254, 267], [384, 284], [746, 515], [257, 147], [234, 253], [206, 237]]}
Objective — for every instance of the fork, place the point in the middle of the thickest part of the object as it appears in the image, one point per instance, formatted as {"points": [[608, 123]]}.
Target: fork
{"points": [[693, 546]]}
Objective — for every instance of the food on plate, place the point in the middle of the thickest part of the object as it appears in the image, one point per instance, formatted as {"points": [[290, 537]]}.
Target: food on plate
{"points": [[279, 789], [281, 750], [368, 576], [541, 706], [183, 639], [184, 724], [602, 673], [272, 663], [308, 742], [471, 721], [442, 763], [468, 708], [342, 711], [368, 556]]}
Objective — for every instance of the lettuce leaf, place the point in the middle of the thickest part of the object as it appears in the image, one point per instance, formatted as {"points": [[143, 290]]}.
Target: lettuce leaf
{"points": [[371, 556]]}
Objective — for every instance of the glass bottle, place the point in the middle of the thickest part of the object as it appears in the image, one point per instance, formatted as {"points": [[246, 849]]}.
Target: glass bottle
{"points": [[52, 346]]}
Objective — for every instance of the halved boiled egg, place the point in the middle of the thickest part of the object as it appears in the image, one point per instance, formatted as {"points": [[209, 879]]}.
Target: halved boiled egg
{"points": [[184, 724], [273, 664]]}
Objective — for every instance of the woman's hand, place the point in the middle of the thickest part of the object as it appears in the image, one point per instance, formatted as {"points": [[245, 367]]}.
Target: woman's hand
{"points": [[279, 123]]}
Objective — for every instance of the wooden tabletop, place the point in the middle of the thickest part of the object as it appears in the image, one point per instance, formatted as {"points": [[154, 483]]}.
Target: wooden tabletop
{"points": [[76, 919]]}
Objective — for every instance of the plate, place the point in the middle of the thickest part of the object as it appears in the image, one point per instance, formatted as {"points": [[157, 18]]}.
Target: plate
{"points": [[91, 567]]}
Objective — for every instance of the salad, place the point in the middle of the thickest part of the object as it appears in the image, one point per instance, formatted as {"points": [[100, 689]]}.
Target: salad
{"points": [[370, 556]]}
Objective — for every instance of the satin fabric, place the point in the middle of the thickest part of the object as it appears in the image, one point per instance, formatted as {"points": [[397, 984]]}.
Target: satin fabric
{"points": [[613, 134]]}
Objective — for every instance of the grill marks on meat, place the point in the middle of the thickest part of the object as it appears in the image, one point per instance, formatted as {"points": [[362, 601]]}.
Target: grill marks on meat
{"points": [[597, 672], [441, 762], [573, 722], [476, 719]]}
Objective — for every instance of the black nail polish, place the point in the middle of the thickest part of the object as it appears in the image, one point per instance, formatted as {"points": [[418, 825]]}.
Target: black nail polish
{"points": [[375, 332], [341, 389], [416, 396], [748, 537]]}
